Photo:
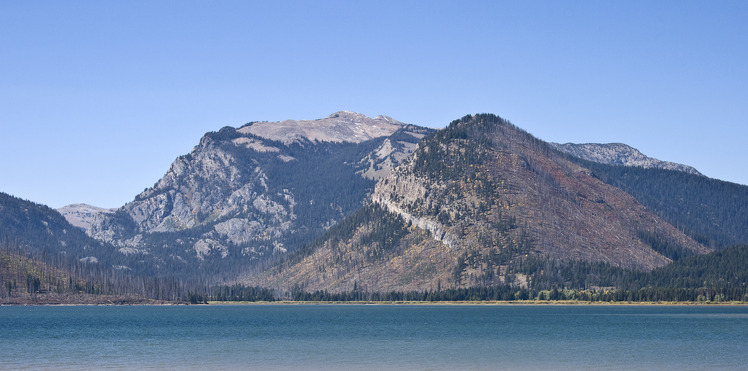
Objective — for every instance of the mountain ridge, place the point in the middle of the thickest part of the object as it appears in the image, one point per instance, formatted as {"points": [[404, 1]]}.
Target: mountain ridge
{"points": [[481, 203], [341, 126], [619, 154]]}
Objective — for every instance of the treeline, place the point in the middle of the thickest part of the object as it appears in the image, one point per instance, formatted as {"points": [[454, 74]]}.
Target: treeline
{"points": [[511, 294], [494, 293], [722, 269]]}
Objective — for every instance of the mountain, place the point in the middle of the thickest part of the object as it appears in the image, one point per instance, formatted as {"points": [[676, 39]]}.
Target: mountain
{"points": [[245, 195], [81, 215], [354, 204], [475, 202], [619, 154]]}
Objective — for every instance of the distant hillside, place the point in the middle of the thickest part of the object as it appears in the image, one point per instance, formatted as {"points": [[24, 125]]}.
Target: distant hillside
{"points": [[21, 277], [726, 268], [343, 126], [712, 211], [39, 231], [719, 275], [46, 260], [42, 255], [619, 154]]}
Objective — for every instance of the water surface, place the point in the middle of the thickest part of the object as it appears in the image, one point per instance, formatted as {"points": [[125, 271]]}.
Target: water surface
{"points": [[425, 337]]}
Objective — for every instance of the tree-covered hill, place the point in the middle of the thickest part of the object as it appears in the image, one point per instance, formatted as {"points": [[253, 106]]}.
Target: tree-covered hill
{"points": [[44, 259], [726, 268], [41, 232], [711, 211]]}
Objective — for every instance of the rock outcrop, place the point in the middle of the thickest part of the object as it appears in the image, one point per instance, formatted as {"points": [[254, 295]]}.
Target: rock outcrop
{"points": [[343, 126], [81, 215], [619, 154]]}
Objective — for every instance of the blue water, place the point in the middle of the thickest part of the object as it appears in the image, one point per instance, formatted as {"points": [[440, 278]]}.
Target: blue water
{"points": [[273, 337]]}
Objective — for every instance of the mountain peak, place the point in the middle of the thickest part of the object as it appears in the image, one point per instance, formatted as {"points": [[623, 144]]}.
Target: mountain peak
{"points": [[341, 126]]}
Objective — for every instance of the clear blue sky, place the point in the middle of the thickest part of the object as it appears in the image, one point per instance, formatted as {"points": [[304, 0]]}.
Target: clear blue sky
{"points": [[98, 98]]}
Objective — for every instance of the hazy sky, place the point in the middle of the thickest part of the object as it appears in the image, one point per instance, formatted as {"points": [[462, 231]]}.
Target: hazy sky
{"points": [[98, 98]]}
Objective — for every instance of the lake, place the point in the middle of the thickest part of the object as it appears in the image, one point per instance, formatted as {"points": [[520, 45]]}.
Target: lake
{"points": [[364, 337]]}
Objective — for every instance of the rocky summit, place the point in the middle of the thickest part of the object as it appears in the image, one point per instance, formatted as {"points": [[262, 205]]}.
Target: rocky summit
{"points": [[343, 126], [260, 190]]}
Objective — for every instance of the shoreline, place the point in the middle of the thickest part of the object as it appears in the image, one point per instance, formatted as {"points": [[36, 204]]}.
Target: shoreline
{"points": [[83, 300], [489, 303], [383, 303]]}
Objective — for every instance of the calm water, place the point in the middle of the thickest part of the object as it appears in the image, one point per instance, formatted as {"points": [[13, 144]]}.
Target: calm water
{"points": [[271, 337]]}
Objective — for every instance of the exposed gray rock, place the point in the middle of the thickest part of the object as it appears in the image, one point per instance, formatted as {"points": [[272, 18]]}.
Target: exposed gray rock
{"points": [[380, 163], [238, 231], [343, 126], [89, 259], [207, 247], [619, 154], [400, 190], [81, 215]]}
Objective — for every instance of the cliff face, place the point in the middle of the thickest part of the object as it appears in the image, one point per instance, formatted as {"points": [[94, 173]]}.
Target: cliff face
{"points": [[259, 190], [619, 154], [474, 200]]}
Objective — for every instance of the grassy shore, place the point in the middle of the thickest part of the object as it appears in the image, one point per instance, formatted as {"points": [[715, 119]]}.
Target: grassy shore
{"points": [[519, 302]]}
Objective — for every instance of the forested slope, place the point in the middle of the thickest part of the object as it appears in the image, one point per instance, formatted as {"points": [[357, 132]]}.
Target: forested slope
{"points": [[711, 211], [44, 259]]}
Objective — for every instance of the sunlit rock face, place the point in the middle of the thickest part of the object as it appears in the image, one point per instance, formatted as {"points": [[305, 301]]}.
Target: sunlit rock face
{"points": [[619, 154], [259, 190], [81, 215], [343, 126]]}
